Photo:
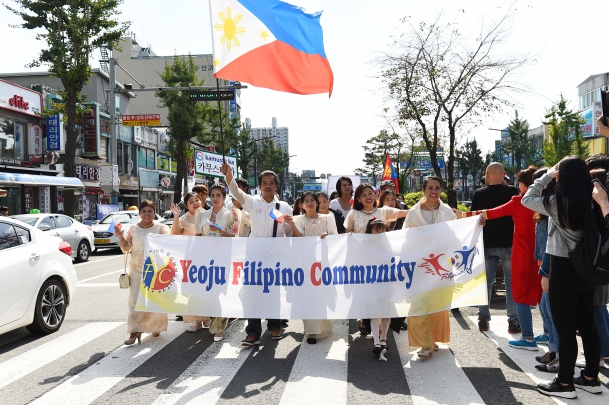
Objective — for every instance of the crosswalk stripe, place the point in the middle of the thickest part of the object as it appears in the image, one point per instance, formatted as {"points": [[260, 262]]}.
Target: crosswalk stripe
{"points": [[98, 285], [85, 387], [320, 369], [442, 369], [100, 276], [22, 365], [207, 378], [525, 359]]}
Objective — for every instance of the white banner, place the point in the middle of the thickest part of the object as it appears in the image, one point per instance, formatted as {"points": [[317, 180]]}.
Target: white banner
{"points": [[408, 272]]}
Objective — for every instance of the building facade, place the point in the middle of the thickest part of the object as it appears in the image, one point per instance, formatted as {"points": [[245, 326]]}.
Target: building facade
{"points": [[589, 97]]}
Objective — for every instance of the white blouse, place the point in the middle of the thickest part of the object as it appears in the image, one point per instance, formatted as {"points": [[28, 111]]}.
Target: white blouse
{"points": [[358, 220], [316, 227], [335, 205], [228, 220]]}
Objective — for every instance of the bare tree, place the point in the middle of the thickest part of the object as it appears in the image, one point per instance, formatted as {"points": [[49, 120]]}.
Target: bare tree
{"points": [[442, 81]]}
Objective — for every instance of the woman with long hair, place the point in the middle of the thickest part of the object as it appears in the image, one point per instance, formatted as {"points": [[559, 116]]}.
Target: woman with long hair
{"points": [[324, 208], [571, 299], [296, 207], [344, 191], [365, 207], [219, 222], [389, 199], [427, 330], [185, 224], [132, 240], [312, 223]]}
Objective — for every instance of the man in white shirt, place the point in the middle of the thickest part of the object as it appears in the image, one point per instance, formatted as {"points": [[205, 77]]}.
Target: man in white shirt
{"points": [[262, 226]]}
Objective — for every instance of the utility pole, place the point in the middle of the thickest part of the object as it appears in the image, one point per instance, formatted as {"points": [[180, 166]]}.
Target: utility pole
{"points": [[112, 107]]}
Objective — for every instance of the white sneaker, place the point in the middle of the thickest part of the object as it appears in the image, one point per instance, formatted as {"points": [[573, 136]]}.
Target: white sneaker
{"points": [[582, 364], [195, 326], [425, 353]]}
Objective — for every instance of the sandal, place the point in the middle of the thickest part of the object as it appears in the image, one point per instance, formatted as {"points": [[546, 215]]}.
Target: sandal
{"points": [[377, 349]]}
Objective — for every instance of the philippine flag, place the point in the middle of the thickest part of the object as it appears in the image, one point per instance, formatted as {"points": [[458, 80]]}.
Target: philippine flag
{"points": [[271, 44], [276, 215], [114, 225]]}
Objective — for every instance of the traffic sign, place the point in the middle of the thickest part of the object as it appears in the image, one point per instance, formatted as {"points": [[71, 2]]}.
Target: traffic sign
{"points": [[142, 120], [212, 95], [312, 187]]}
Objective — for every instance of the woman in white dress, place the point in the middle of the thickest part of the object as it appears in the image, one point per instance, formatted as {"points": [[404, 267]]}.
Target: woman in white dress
{"points": [[206, 224], [132, 240], [312, 223], [424, 331], [365, 207], [344, 191]]}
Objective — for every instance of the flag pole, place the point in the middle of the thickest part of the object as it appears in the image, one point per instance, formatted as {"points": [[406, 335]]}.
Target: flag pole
{"points": [[220, 115]]}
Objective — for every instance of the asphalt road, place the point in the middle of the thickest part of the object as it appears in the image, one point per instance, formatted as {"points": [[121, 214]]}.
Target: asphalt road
{"points": [[87, 363]]}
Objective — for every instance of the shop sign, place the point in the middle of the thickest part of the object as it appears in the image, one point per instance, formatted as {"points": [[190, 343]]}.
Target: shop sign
{"points": [[85, 172], [44, 194], [106, 209], [35, 142], [167, 183], [152, 120], [149, 179], [137, 134], [163, 142], [150, 138], [91, 131], [162, 162], [129, 183], [209, 164], [14, 162], [116, 181], [54, 133], [20, 99], [28, 196]]}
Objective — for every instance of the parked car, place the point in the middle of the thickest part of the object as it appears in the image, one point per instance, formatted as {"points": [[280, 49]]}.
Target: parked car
{"points": [[37, 276], [79, 236], [105, 238]]}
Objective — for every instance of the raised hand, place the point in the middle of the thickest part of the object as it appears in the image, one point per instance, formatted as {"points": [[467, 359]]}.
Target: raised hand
{"points": [[175, 209]]}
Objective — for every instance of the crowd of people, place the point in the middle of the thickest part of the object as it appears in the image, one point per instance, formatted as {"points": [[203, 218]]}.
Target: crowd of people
{"points": [[530, 229]]}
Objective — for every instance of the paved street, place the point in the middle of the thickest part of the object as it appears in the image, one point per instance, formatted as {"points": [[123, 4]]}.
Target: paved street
{"points": [[86, 362]]}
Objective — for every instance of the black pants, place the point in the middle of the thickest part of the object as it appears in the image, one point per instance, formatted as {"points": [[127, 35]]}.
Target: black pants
{"points": [[254, 327], [571, 301]]}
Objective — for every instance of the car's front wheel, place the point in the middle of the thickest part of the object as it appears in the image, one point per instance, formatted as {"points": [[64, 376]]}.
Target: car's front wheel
{"points": [[83, 251], [50, 308]]}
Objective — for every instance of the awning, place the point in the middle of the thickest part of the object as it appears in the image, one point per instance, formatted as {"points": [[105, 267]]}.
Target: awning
{"points": [[14, 179]]}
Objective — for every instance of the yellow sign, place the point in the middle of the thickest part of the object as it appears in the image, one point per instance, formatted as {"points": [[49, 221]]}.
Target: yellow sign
{"points": [[148, 123]]}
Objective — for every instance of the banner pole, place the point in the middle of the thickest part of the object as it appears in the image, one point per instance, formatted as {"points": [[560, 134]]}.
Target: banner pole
{"points": [[220, 115]]}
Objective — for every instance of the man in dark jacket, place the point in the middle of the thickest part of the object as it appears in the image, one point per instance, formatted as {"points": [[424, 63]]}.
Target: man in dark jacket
{"points": [[498, 235]]}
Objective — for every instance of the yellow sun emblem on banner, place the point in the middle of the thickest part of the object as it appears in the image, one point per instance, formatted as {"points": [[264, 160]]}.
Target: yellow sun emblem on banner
{"points": [[230, 29]]}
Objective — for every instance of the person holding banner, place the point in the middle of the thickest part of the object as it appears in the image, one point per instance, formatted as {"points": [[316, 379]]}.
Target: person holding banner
{"points": [[132, 239], [312, 223], [185, 225], [324, 208], [365, 207], [344, 191], [244, 226], [220, 222], [424, 331], [388, 199], [263, 226]]}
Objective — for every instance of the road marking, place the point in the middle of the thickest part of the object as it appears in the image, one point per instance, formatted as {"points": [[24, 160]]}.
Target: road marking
{"points": [[206, 379], [427, 384], [103, 275], [94, 381], [96, 261], [20, 366], [320, 370], [97, 285], [525, 359]]}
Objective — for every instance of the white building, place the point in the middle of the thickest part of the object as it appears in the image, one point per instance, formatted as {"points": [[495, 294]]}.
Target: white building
{"points": [[281, 134]]}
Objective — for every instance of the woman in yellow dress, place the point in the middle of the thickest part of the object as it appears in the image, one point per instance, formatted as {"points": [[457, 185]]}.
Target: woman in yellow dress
{"points": [[424, 331], [132, 240]]}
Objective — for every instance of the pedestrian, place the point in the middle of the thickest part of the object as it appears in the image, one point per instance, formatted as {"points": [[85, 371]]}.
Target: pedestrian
{"points": [[365, 207], [571, 299], [388, 199], [312, 223], [296, 208], [333, 195], [216, 222], [387, 185], [497, 236], [202, 192], [244, 227], [426, 331], [344, 192], [324, 208], [131, 240], [263, 226], [526, 281], [185, 224], [401, 203], [4, 211]]}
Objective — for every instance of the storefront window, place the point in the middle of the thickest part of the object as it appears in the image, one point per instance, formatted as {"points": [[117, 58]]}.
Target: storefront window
{"points": [[142, 157], [119, 157], [12, 135]]}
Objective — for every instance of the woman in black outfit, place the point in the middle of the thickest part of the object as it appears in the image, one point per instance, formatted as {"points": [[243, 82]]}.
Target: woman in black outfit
{"points": [[571, 299]]}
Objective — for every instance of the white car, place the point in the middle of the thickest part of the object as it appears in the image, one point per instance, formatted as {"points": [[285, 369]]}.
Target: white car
{"points": [[78, 235], [103, 237], [37, 276]]}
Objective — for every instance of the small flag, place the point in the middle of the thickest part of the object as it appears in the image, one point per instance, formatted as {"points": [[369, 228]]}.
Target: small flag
{"points": [[389, 173], [114, 225], [276, 215]]}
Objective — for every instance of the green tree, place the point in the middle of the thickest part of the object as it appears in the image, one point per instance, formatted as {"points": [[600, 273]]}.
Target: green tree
{"points": [[186, 119], [272, 158], [566, 137], [518, 145], [375, 151], [70, 30], [469, 161], [240, 141]]}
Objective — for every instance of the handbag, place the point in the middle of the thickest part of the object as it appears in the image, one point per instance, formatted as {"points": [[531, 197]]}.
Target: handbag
{"points": [[123, 279]]}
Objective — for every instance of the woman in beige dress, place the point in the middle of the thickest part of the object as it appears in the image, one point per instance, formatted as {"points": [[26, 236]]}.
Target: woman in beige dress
{"points": [[424, 331], [132, 240], [312, 223], [206, 223], [365, 207]]}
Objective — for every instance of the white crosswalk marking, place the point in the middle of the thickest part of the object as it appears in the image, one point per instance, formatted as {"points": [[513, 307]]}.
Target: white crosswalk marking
{"points": [[207, 378], [20, 366], [526, 361], [320, 369], [433, 380], [85, 387]]}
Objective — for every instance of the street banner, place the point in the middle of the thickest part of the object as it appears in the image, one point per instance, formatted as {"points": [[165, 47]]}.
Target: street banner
{"points": [[209, 163], [403, 273]]}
